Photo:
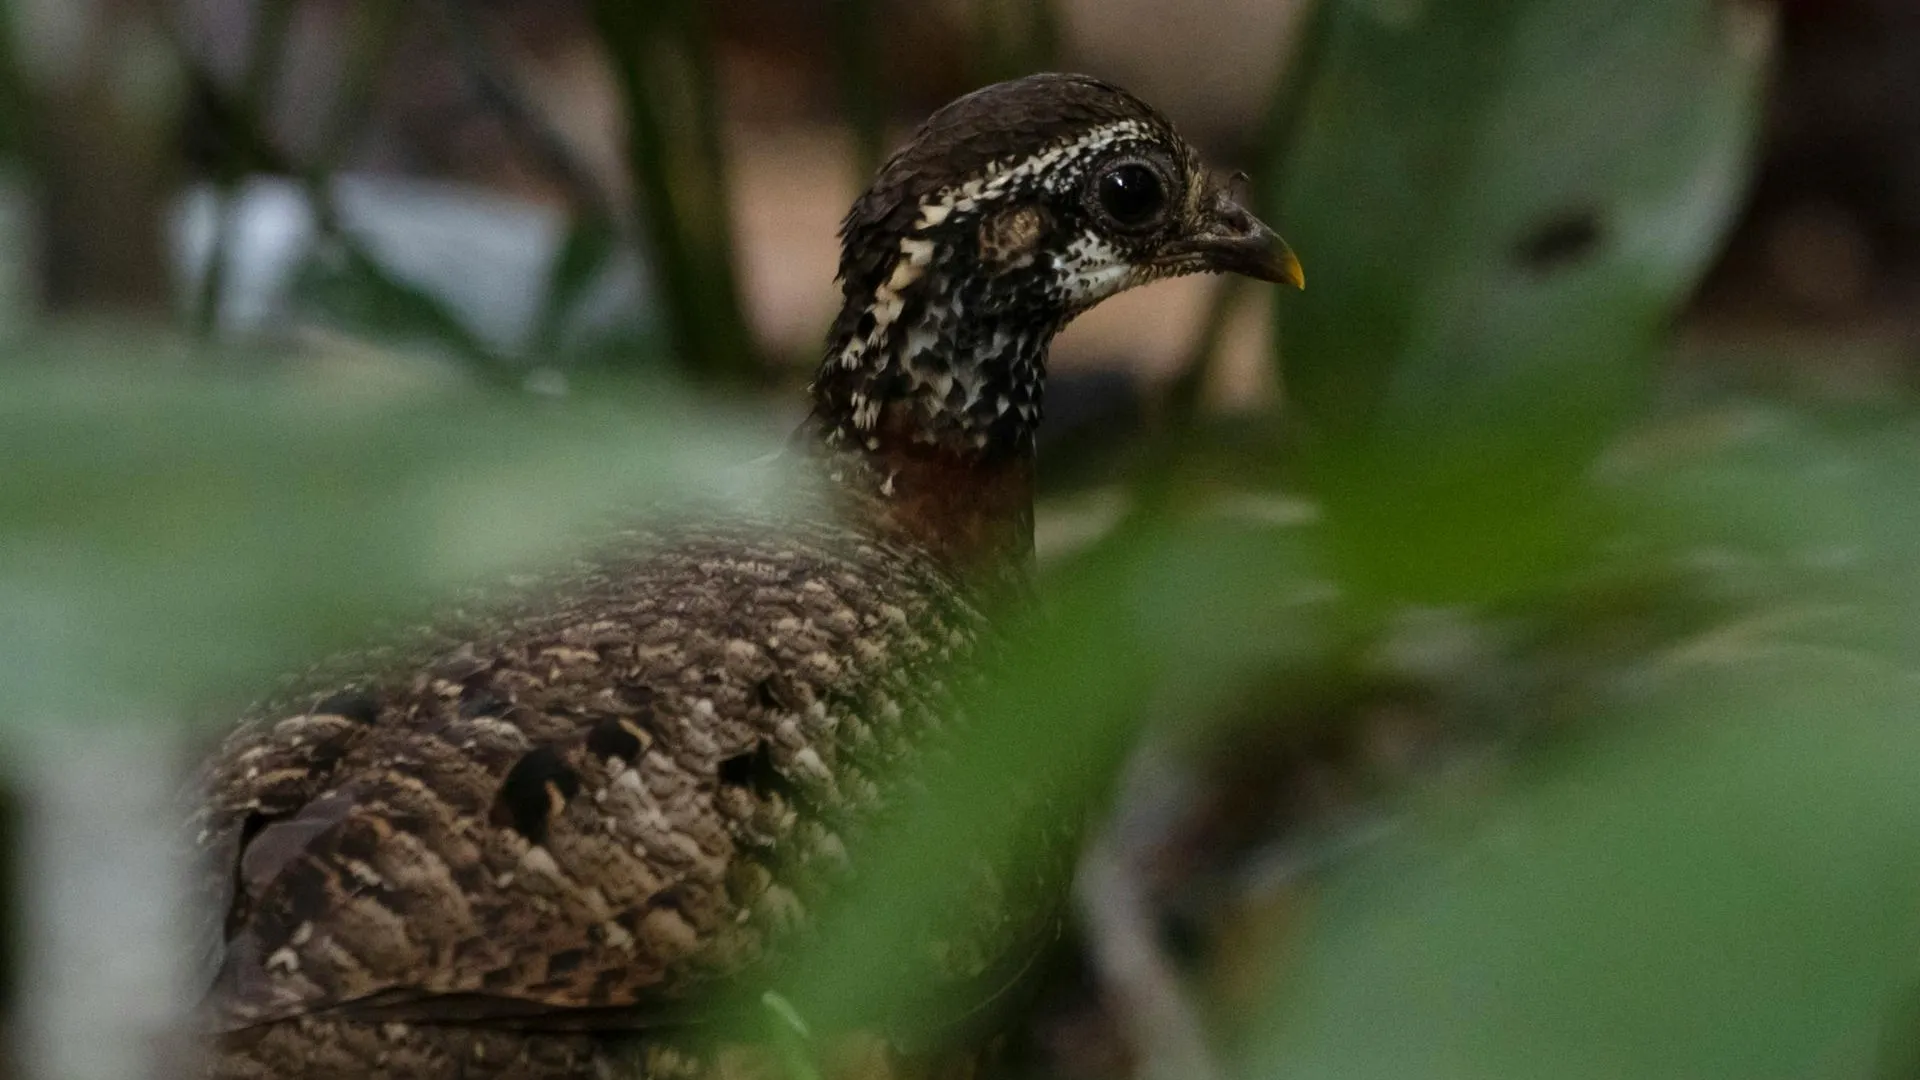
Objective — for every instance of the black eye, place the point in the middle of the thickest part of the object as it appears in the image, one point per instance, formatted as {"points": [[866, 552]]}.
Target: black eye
{"points": [[1131, 194]]}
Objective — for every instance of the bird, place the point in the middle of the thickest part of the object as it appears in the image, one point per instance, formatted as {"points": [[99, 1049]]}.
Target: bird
{"points": [[530, 840]]}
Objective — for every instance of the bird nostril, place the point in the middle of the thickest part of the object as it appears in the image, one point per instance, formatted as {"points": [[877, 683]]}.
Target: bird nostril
{"points": [[1233, 218]]}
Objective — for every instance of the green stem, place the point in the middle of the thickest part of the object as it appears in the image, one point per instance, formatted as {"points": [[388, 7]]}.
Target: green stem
{"points": [[101, 140], [857, 48], [1178, 420], [495, 85], [13, 88], [1267, 156], [265, 50], [1015, 37], [662, 55], [375, 31]]}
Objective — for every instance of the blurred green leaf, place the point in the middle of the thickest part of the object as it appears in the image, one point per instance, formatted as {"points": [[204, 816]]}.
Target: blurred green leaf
{"points": [[1501, 204], [167, 532], [13, 91], [662, 56], [350, 289], [1158, 623], [591, 241], [1718, 874]]}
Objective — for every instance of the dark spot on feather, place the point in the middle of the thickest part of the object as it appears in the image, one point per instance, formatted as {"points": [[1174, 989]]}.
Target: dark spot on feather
{"points": [[864, 328], [614, 738], [604, 984], [565, 962], [472, 877], [250, 828], [534, 792], [304, 890], [502, 978], [477, 703], [357, 840], [238, 901], [270, 926], [770, 696], [1561, 239], [637, 696], [406, 821], [673, 896], [356, 705], [753, 769]]}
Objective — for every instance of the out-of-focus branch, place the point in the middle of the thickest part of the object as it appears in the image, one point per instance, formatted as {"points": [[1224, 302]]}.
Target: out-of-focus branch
{"points": [[13, 90], [374, 31], [1268, 152], [242, 112], [100, 92], [266, 49], [857, 51], [1139, 981], [662, 53], [599, 227], [501, 94], [1014, 38]]}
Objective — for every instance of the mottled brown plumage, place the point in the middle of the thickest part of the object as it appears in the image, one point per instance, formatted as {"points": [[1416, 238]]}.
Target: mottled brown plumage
{"points": [[534, 841]]}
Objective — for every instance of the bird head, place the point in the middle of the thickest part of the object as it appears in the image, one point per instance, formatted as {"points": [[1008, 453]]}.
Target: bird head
{"points": [[1010, 211]]}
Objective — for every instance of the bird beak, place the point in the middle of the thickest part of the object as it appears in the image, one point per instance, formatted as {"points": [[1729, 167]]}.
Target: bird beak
{"points": [[1230, 240]]}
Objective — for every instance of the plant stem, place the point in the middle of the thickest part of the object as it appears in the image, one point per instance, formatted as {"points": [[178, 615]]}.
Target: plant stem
{"points": [[494, 83], [1015, 37], [265, 50], [857, 48], [1267, 156], [100, 121], [662, 54]]}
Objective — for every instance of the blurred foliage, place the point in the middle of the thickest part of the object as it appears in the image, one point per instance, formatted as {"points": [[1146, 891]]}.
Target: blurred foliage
{"points": [[1014, 38], [167, 530], [860, 58], [1503, 205], [13, 91], [1691, 862], [662, 55], [1710, 874]]}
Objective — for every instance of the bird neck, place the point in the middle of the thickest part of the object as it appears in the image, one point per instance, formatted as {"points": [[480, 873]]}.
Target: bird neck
{"points": [[925, 413]]}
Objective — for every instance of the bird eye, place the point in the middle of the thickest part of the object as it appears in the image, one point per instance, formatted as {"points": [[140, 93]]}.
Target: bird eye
{"points": [[1131, 193]]}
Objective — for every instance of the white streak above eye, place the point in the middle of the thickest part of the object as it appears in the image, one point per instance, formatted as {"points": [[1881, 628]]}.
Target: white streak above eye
{"points": [[916, 251]]}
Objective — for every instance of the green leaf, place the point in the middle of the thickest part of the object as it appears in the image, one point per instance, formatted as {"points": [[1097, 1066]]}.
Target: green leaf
{"points": [[1718, 873], [352, 291], [1501, 205], [591, 241], [1732, 888], [1158, 623], [166, 533]]}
